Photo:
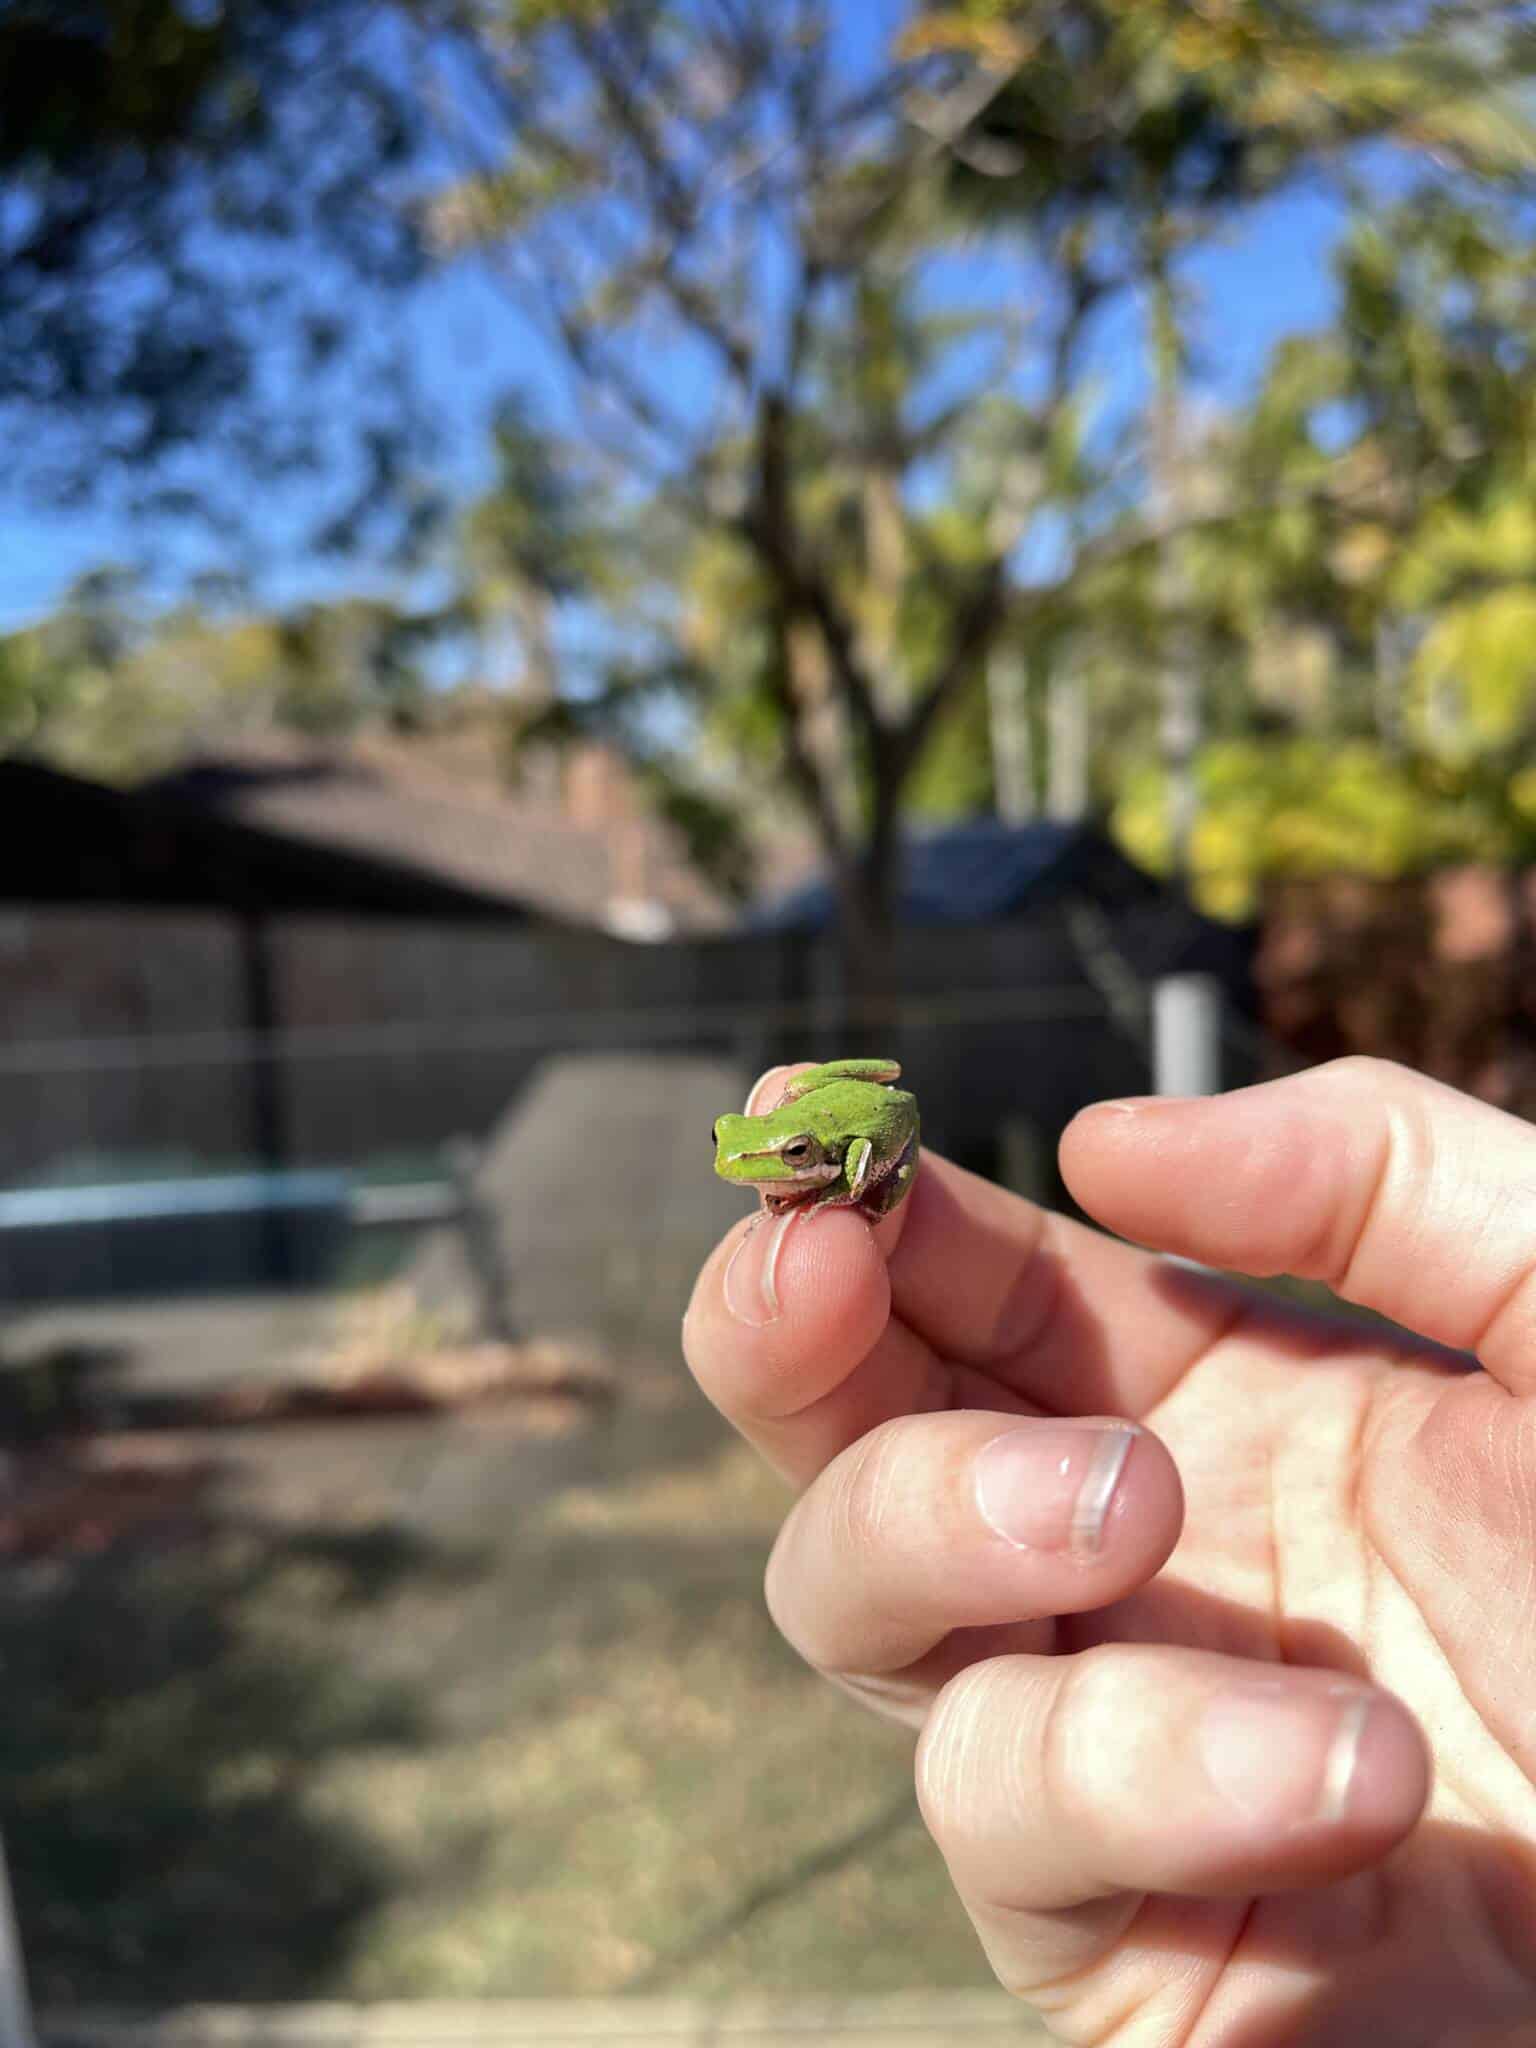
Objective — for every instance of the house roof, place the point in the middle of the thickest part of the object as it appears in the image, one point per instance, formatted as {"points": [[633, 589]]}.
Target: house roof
{"points": [[977, 872], [67, 840], [394, 802]]}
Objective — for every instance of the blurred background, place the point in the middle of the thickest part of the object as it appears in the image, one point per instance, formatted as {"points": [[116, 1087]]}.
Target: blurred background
{"points": [[553, 554]]}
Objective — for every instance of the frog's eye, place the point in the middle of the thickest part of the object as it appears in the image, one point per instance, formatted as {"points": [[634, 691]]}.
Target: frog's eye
{"points": [[798, 1152]]}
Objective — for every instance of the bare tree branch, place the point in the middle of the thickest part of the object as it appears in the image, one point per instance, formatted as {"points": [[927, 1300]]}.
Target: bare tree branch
{"points": [[982, 613], [977, 624], [677, 208], [799, 763], [769, 525]]}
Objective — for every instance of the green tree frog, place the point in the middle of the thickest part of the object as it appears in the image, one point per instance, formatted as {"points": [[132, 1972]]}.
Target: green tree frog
{"points": [[843, 1137]]}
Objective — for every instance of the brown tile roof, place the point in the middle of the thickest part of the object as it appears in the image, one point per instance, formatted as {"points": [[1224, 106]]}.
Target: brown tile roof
{"points": [[384, 798]]}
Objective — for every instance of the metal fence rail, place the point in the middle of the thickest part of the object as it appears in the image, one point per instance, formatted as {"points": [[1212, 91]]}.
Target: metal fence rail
{"points": [[16, 2029]]}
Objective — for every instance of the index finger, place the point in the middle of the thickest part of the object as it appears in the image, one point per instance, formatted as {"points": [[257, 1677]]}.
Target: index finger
{"points": [[789, 1330], [808, 1331]]}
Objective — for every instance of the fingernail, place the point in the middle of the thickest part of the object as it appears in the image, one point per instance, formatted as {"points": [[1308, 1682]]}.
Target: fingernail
{"points": [[752, 1276], [1050, 1486], [767, 1075], [1279, 1755]]}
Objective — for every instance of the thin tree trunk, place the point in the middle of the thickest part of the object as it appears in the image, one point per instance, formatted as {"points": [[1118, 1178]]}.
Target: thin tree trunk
{"points": [[1387, 685], [1067, 780], [886, 543], [823, 723], [867, 930], [1009, 716], [1181, 721]]}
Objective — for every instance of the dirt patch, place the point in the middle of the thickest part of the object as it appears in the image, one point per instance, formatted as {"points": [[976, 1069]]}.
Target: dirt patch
{"points": [[552, 1378]]}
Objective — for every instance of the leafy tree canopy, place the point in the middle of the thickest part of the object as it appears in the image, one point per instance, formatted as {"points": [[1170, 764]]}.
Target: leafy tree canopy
{"points": [[201, 218], [114, 689]]}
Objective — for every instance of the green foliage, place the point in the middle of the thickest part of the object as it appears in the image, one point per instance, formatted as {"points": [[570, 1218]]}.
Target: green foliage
{"points": [[1371, 594], [711, 828], [798, 503], [200, 229], [863, 466], [1481, 655], [1311, 806], [535, 528], [113, 691], [1169, 110], [954, 779]]}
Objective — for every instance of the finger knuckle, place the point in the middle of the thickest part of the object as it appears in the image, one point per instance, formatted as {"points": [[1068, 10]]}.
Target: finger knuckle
{"points": [[1360, 1070], [944, 1768], [1093, 1689], [1085, 1724], [1088, 1712], [867, 1492], [837, 1533]]}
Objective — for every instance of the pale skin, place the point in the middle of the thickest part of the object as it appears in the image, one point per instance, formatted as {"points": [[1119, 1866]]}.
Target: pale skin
{"points": [[1216, 1619]]}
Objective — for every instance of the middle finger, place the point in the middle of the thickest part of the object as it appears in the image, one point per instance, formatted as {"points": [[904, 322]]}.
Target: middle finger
{"points": [[964, 1521]]}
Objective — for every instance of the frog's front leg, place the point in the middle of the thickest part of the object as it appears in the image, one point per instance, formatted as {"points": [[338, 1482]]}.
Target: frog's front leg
{"points": [[853, 1183], [874, 1194]]}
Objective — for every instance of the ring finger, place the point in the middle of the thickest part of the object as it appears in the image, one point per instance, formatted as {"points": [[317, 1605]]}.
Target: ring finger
{"points": [[1062, 1790]]}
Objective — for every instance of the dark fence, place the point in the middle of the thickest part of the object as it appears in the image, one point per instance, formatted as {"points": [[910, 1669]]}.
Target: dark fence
{"points": [[149, 1041]]}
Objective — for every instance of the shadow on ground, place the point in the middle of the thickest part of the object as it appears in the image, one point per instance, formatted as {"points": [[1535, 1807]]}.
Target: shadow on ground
{"points": [[165, 1726], [540, 1740]]}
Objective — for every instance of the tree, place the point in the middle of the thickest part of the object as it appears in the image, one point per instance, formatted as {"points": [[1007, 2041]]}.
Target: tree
{"points": [[113, 688], [202, 211], [1147, 123], [731, 241], [740, 246], [1370, 587]]}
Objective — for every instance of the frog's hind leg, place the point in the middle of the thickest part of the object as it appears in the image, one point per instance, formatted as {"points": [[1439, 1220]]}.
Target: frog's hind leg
{"points": [[876, 1071], [882, 1198]]}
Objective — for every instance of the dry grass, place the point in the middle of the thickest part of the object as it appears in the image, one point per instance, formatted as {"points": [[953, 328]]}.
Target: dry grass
{"points": [[564, 1756], [653, 1793], [462, 1704]]}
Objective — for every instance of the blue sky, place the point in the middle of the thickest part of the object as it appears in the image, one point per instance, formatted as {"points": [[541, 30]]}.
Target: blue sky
{"points": [[1271, 276]]}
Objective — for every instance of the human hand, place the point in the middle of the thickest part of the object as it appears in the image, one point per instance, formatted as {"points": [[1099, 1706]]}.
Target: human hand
{"points": [[1189, 1592]]}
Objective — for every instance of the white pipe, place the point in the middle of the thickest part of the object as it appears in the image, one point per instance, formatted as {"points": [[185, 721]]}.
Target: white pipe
{"points": [[1186, 1035]]}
